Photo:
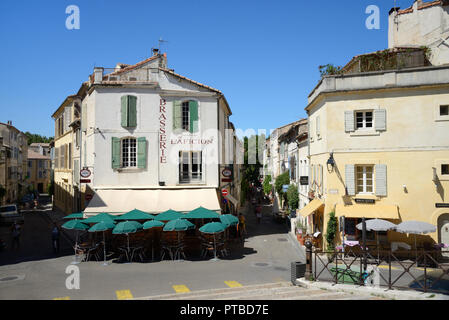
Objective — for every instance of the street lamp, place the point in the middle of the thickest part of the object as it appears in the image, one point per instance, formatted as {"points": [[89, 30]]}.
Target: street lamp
{"points": [[331, 162]]}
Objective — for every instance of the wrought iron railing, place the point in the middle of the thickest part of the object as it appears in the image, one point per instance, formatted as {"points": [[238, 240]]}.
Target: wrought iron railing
{"points": [[420, 270]]}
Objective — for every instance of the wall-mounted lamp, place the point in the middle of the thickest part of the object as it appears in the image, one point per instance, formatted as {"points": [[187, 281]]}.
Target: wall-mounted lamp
{"points": [[331, 162]]}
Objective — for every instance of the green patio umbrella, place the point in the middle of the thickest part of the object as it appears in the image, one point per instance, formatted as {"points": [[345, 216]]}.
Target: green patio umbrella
{"points": [[152, 224], [135, 215], [127, 227], [229, 219], [202, 213], [169, 215], [149, 225], [75, 225], [102, 226], [213, 228], [178, 225], [78, 215], [100, 217]]}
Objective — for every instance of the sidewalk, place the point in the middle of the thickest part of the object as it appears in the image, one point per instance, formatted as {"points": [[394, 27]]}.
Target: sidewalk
{"points": [[375, 291]]}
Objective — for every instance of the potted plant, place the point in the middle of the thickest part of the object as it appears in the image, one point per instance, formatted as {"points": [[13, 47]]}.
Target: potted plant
{"points": [[301, 231]]}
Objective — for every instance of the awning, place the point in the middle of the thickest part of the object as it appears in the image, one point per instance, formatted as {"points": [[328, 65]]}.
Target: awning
{"points": [[311, 207], [117, 201], [234, 201], [367, 211]]}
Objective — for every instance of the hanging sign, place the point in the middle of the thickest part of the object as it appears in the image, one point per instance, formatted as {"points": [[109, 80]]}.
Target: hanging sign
{"points": [[85, 173], [162, 131]]}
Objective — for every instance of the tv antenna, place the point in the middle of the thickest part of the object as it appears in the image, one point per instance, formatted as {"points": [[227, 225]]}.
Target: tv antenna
{"points": [[160, 42]]}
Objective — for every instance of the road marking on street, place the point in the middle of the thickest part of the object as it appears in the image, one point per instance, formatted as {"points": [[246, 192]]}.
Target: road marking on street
{"points": [[386, 267], [233, 284], [62, 298], [123, 294], [181, 288]]}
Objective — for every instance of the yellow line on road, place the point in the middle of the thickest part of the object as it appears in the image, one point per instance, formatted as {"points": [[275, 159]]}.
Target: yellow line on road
{"points": [[123, 294], [181, 288], [386, 267], [233, 284], [62, 298]]}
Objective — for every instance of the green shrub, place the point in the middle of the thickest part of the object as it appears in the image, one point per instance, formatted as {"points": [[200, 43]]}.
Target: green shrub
{"points": [[293, 197], [267, 185], [331, 230]]}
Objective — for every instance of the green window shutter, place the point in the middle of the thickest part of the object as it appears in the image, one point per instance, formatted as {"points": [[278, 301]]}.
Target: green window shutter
{"points": [[124, 111], [132, 111], [193, 108], [141, 153], [350, 179], [177, 115], [115, 153]]}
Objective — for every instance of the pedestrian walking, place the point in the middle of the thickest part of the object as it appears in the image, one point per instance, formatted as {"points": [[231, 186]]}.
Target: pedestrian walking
{"points": [[15, 231], [55, 238], [242, 224]]}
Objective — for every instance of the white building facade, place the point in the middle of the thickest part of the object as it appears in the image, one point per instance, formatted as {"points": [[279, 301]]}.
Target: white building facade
{"points": [[153, 140]]}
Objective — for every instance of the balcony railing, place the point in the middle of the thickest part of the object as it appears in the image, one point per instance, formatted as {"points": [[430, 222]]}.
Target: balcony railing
{"points": [[122, 75]]}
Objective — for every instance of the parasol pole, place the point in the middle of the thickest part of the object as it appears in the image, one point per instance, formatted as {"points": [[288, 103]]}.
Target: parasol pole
{"points": [[76, 246], [104, 250]]}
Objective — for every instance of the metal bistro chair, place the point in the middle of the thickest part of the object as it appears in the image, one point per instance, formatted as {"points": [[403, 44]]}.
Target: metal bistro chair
{"points": [[139, 252], [94, 252], [206, 246], [166, 248]]}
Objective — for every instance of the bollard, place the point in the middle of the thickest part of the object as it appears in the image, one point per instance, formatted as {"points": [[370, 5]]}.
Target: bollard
{"points": [[308, 273]]}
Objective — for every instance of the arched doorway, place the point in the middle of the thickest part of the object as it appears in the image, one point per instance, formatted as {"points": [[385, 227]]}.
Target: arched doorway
{"points": [[443, 232]]}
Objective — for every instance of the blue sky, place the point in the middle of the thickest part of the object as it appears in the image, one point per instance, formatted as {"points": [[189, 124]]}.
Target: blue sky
{"points": [[263, 55]]}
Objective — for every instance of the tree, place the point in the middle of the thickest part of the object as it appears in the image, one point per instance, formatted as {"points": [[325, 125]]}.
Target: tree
{"points": [[37, 138], [281, 180], [267, 185], [293, 197], [331, 230]]}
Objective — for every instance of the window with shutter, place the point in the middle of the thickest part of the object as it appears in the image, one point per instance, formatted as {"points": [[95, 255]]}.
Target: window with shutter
{"points": [[129, 111], [193, 108], [380, 119], [141, 153], [350, 179], [381, 180], [177, 115], [349, 121], [115, 157]]}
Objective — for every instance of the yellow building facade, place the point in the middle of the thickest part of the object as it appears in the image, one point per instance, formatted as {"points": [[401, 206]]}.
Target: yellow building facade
{"points": [[66, 147], [379, 148]]}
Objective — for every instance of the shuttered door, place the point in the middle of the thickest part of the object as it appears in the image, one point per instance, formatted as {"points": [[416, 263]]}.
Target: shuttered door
{"points": [[141, 153], [380, 119], [350, 179], [380, 170], [193, 109], [115, 157], [349, 121]]}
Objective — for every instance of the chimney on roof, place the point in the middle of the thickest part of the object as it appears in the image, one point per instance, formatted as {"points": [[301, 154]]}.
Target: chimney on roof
{"points": [[10, 122], [155, 52]]}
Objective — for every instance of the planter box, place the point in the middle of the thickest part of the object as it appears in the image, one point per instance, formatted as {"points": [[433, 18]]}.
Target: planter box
{"points": [[298, 270]]}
